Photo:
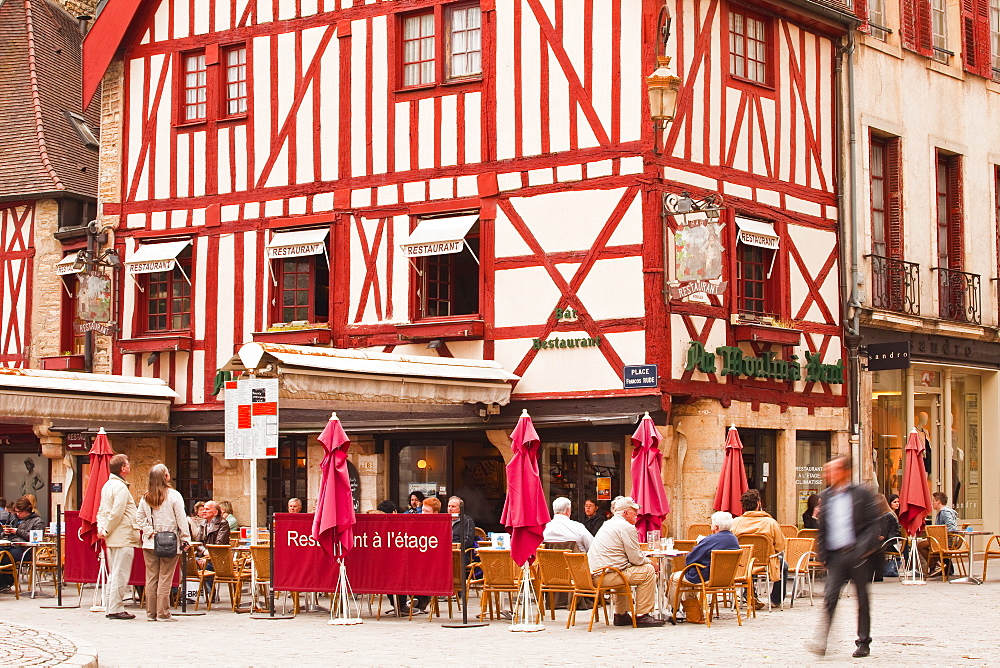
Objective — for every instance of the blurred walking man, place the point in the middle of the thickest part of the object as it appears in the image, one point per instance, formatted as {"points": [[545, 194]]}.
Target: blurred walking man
{"points": [[848, 535]]}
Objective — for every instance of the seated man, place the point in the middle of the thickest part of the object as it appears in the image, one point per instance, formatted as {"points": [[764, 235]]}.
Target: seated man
{"points": [[720, 539], [28, 520], [757, 521], [294, 505], [562, 529], [943, 515], [617, 545], [215, 530]]}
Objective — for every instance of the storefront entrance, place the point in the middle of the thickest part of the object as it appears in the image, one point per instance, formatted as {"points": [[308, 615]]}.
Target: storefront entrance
{"points": [[581, 470], [759, 461]]}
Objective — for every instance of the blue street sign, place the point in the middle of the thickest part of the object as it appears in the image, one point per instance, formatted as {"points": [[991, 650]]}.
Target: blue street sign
{"points": [[641, 375]]}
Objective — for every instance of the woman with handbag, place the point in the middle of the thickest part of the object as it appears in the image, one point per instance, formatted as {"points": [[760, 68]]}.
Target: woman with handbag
{"points": [[164, 529]]}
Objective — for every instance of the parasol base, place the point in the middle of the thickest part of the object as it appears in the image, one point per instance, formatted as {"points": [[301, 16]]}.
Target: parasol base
{"points": [[527, 628], [265, 616], [971, 580], [912, 582], [467, 625], [192, 613], [58, 607], [345, 621]]}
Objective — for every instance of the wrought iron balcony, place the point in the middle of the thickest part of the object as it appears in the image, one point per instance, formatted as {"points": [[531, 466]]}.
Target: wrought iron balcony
{"points": [[959, 296], [895, 285]]}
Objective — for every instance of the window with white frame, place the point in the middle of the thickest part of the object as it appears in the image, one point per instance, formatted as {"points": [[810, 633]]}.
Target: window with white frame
{"points": [[748, 47], [195, 104], [443, 43], [939, 29], [236, 80], [876, 18], [995, 37]]}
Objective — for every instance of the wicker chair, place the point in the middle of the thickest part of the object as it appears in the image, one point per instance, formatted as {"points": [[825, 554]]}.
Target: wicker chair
{"points": [[744, 579], [808, 533], [584, 587], [798, 555], [9, 566], [260, 561], [197, 573], [762, 557], [226, 572], [684, 545], [696, 530], [500, 575], [723, 572], [554, 578], [790, 530], [944, 549], [992, 551]]}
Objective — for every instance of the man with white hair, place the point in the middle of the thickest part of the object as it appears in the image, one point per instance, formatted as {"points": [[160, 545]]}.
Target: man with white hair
{"points": [[721, 538], [562, 529], [617, 545]]}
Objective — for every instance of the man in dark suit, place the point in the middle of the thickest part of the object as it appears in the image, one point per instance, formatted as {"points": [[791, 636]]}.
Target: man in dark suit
{"points": [[848, 535]]}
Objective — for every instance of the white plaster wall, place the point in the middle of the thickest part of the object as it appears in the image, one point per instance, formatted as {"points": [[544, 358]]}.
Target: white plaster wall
{"points": [[931, 106]]}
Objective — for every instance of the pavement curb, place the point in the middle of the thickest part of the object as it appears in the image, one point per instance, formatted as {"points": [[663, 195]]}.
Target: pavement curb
{"points": [[84, 653]]}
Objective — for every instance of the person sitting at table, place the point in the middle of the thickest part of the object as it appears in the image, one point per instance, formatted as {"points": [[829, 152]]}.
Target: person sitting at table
{"points": [[810, 518], [944, 515], [226, 510], [215, 531], [431, 506], [6, 516], [28, 520], [463, 527], [416, 503], [387, 507], [562, 529], [294, 505], [755, 520], [593, 517], [617, 545], [721, 538], [195, 520]]}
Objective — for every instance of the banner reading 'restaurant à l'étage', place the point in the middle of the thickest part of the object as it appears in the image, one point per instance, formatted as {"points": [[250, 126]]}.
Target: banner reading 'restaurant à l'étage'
{"points": [[393, 554]]}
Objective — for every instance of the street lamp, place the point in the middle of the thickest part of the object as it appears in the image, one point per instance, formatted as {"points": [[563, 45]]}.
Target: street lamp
{"points": [[662, 85]]}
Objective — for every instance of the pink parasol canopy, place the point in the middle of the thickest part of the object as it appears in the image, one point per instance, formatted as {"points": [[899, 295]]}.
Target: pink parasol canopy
{"points": [[333, 522], [647, 477], [914, 497], [100, 470], [733, 479], [525, 511]]}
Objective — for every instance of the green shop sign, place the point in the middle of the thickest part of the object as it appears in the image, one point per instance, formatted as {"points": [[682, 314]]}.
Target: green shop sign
{"points": [[735, 363]]}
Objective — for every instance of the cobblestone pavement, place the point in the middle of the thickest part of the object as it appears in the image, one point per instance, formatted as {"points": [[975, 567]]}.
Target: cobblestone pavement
{"points": [[944, 624], [27, 646]]}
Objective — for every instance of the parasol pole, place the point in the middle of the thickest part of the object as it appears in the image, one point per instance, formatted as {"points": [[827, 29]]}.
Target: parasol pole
{"points": [[100, 587], [526, 616], [913, 572], [344, 610], [465, 585]]}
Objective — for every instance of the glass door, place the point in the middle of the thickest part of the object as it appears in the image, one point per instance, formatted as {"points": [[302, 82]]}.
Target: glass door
{"points": [[759, 461]]}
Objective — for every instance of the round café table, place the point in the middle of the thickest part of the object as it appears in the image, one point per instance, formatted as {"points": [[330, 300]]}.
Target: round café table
{"points": [[970, 537]]}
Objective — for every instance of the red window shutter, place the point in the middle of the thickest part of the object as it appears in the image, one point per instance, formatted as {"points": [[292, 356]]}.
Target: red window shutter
{"points": [[861, 11], [893, 199], [983, 38], [956, 219], [925, 28], [908, 24], [970, 47]]}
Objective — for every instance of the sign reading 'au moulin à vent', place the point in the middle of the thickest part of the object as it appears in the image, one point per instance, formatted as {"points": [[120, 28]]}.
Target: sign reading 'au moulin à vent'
{"points": [[767, 365]]}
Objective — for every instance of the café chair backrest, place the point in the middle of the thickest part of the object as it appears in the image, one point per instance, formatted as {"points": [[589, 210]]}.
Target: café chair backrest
{"points": [[684, 545], [499, 570], [222, 560], [696, 530]]}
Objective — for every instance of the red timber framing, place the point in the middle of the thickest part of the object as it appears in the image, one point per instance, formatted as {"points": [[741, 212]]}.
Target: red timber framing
{"points": [[560, 102], [17, 224]]}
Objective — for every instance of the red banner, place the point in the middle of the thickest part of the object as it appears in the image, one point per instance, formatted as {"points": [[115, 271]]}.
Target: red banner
{"points": [[81, 563], [393, 554]]}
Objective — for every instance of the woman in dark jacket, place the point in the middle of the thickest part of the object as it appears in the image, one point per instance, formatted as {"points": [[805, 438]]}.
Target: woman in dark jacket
{"points": [[889, 529], [809, 517], [27, 521]]}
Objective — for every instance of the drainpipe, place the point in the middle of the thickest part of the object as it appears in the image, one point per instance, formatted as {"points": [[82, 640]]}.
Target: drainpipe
{"points": [[848, 215]]}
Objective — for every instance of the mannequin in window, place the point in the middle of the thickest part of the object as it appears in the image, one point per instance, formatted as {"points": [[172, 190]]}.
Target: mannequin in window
{"points": [[922, 420]]}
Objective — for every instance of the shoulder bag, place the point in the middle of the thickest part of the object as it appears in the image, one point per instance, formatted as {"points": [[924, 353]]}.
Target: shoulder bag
{"points": [[165, 544]]}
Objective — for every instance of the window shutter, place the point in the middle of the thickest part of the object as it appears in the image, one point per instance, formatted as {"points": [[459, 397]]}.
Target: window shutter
{"points": [[908, 24], [956, 221], [861, 11], [970, 47], [893, 199], [925, 28], [983, 38]]}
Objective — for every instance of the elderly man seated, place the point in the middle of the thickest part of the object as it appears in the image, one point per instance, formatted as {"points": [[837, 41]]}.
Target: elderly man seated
{"points": [[617, 545], [562, 529], [756, 521], [720, 539]]}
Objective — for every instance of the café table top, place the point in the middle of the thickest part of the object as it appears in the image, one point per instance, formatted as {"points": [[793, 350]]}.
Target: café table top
{"points": [[965, 532]]}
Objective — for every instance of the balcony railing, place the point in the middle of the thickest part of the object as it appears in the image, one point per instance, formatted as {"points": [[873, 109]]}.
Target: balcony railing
{"points": [[959, 296], [895, 285]]}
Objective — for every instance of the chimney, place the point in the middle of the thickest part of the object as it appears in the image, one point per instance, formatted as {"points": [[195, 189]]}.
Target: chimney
{"points": [[84, 22]]}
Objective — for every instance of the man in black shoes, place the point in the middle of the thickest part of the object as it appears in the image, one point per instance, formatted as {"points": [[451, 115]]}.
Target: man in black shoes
{"points": [[848, 535]]}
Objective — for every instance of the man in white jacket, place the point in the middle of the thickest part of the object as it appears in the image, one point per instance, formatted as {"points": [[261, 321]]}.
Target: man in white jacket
{"points": [[116, 525]]}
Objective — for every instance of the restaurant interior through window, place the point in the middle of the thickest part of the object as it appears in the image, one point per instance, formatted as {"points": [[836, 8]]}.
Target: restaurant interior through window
{"points": [[946, 412]]}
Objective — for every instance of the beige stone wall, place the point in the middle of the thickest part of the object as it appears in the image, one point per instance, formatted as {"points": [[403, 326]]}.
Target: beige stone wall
{"points": [[79, 7], [697, 450], [47, 288]]}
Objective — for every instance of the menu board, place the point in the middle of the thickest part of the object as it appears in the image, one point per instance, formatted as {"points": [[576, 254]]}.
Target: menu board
{"points": [[252, 418]]}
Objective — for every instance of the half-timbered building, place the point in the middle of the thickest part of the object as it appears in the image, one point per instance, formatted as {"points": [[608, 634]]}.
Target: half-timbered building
{"points": [[429, 215]]}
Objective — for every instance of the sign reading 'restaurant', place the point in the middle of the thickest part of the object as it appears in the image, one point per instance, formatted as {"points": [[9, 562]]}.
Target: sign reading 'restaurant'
{"points": [[392, 554], [436, 248], [295, 251]]}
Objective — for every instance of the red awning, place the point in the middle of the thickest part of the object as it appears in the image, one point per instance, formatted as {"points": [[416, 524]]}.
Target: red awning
{"points": [[102, 42]]}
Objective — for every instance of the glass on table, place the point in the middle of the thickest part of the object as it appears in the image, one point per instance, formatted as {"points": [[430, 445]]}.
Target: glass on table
{"points": [[653, 537]]}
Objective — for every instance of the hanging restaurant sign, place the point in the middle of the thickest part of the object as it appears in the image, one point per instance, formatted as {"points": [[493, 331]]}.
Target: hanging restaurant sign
{"points": [[766, 365], [297, 243], [438, 236]]}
